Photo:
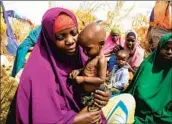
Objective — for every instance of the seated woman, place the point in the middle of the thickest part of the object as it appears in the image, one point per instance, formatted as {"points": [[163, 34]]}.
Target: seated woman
{"points": [[159, 23], [151, 85], [136, 52], [112, 40], [45, 95]]}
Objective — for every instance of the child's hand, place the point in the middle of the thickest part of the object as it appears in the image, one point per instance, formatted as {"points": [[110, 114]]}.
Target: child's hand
{"points": [[74, 74], [79, 79], [108, 73]]}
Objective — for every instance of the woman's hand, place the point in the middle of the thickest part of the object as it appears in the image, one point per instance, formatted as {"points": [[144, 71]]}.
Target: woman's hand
{"points": [[101, 98], [117, 48], [86, 117]]}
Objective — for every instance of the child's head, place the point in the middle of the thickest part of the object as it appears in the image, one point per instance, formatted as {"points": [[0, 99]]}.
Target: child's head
{"points": [[122, 57], [92, 39]]}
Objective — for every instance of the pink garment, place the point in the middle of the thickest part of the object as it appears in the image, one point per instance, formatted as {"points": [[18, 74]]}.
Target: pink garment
{"points": [[109, 45], [136, 56]]}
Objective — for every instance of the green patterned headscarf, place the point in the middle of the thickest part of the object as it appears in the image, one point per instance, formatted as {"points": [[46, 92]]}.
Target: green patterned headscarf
{"points": [[115, 29], [152, 89]]}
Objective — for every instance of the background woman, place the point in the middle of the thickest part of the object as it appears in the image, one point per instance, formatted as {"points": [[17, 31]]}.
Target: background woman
{"points": [[151, 85]]}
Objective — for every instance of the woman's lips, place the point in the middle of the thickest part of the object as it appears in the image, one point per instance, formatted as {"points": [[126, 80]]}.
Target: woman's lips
{"points": [[168, 57], [71, 49]]}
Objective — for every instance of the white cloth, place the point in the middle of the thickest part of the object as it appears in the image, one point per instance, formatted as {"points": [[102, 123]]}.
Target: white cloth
{"points": [[119, 77]]}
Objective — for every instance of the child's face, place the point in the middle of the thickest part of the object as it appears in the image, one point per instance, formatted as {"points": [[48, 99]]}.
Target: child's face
{"points": [[121, 59], [130, 42], [91, 50]]}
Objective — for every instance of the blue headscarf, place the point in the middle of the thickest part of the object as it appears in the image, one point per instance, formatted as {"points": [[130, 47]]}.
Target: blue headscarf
{"points": [[22, 50]]}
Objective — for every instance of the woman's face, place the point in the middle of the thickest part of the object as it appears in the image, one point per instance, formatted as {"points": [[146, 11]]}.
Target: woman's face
{"points": [[130, 42], [66, 40], [115, 37], [166, 51]]}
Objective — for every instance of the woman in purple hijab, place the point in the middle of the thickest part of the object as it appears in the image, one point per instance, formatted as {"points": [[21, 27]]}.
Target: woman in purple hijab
{"points": [[45, 95]]}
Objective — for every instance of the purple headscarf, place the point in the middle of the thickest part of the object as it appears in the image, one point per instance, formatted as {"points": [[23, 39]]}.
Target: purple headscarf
{"points": [[45, 95]]}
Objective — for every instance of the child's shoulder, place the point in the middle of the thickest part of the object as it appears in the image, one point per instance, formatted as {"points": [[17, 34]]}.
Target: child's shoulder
{"points": [[126, 67], [102, 58], [101, 55]]}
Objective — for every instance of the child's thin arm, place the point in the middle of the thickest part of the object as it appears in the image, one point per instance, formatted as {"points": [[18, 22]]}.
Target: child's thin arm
{"points": [[133, 70], [102, 68], [130, 68]]}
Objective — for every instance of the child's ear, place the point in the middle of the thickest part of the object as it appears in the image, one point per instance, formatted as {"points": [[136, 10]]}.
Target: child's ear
{"points": [[101, 43]]}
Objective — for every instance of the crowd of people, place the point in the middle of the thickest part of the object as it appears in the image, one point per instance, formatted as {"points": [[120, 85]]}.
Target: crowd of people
{"points": [[68, 77]]}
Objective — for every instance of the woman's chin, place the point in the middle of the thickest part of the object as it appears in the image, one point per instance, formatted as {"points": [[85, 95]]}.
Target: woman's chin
{"points": [[71, 53], [130, 47]]}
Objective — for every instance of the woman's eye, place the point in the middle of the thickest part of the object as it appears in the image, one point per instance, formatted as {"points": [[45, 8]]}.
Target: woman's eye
{"points": [[74, 32], [59, 37], [130, 41], [167, 48]]}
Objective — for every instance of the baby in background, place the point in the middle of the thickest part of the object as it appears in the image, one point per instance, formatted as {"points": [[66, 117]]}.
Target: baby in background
{"points": [[119, 76], [93, 75]]}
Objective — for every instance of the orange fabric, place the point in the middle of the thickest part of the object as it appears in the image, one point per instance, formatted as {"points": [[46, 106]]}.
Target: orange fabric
{"points": [[162, 15], [131, 75], [62, 22]]}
